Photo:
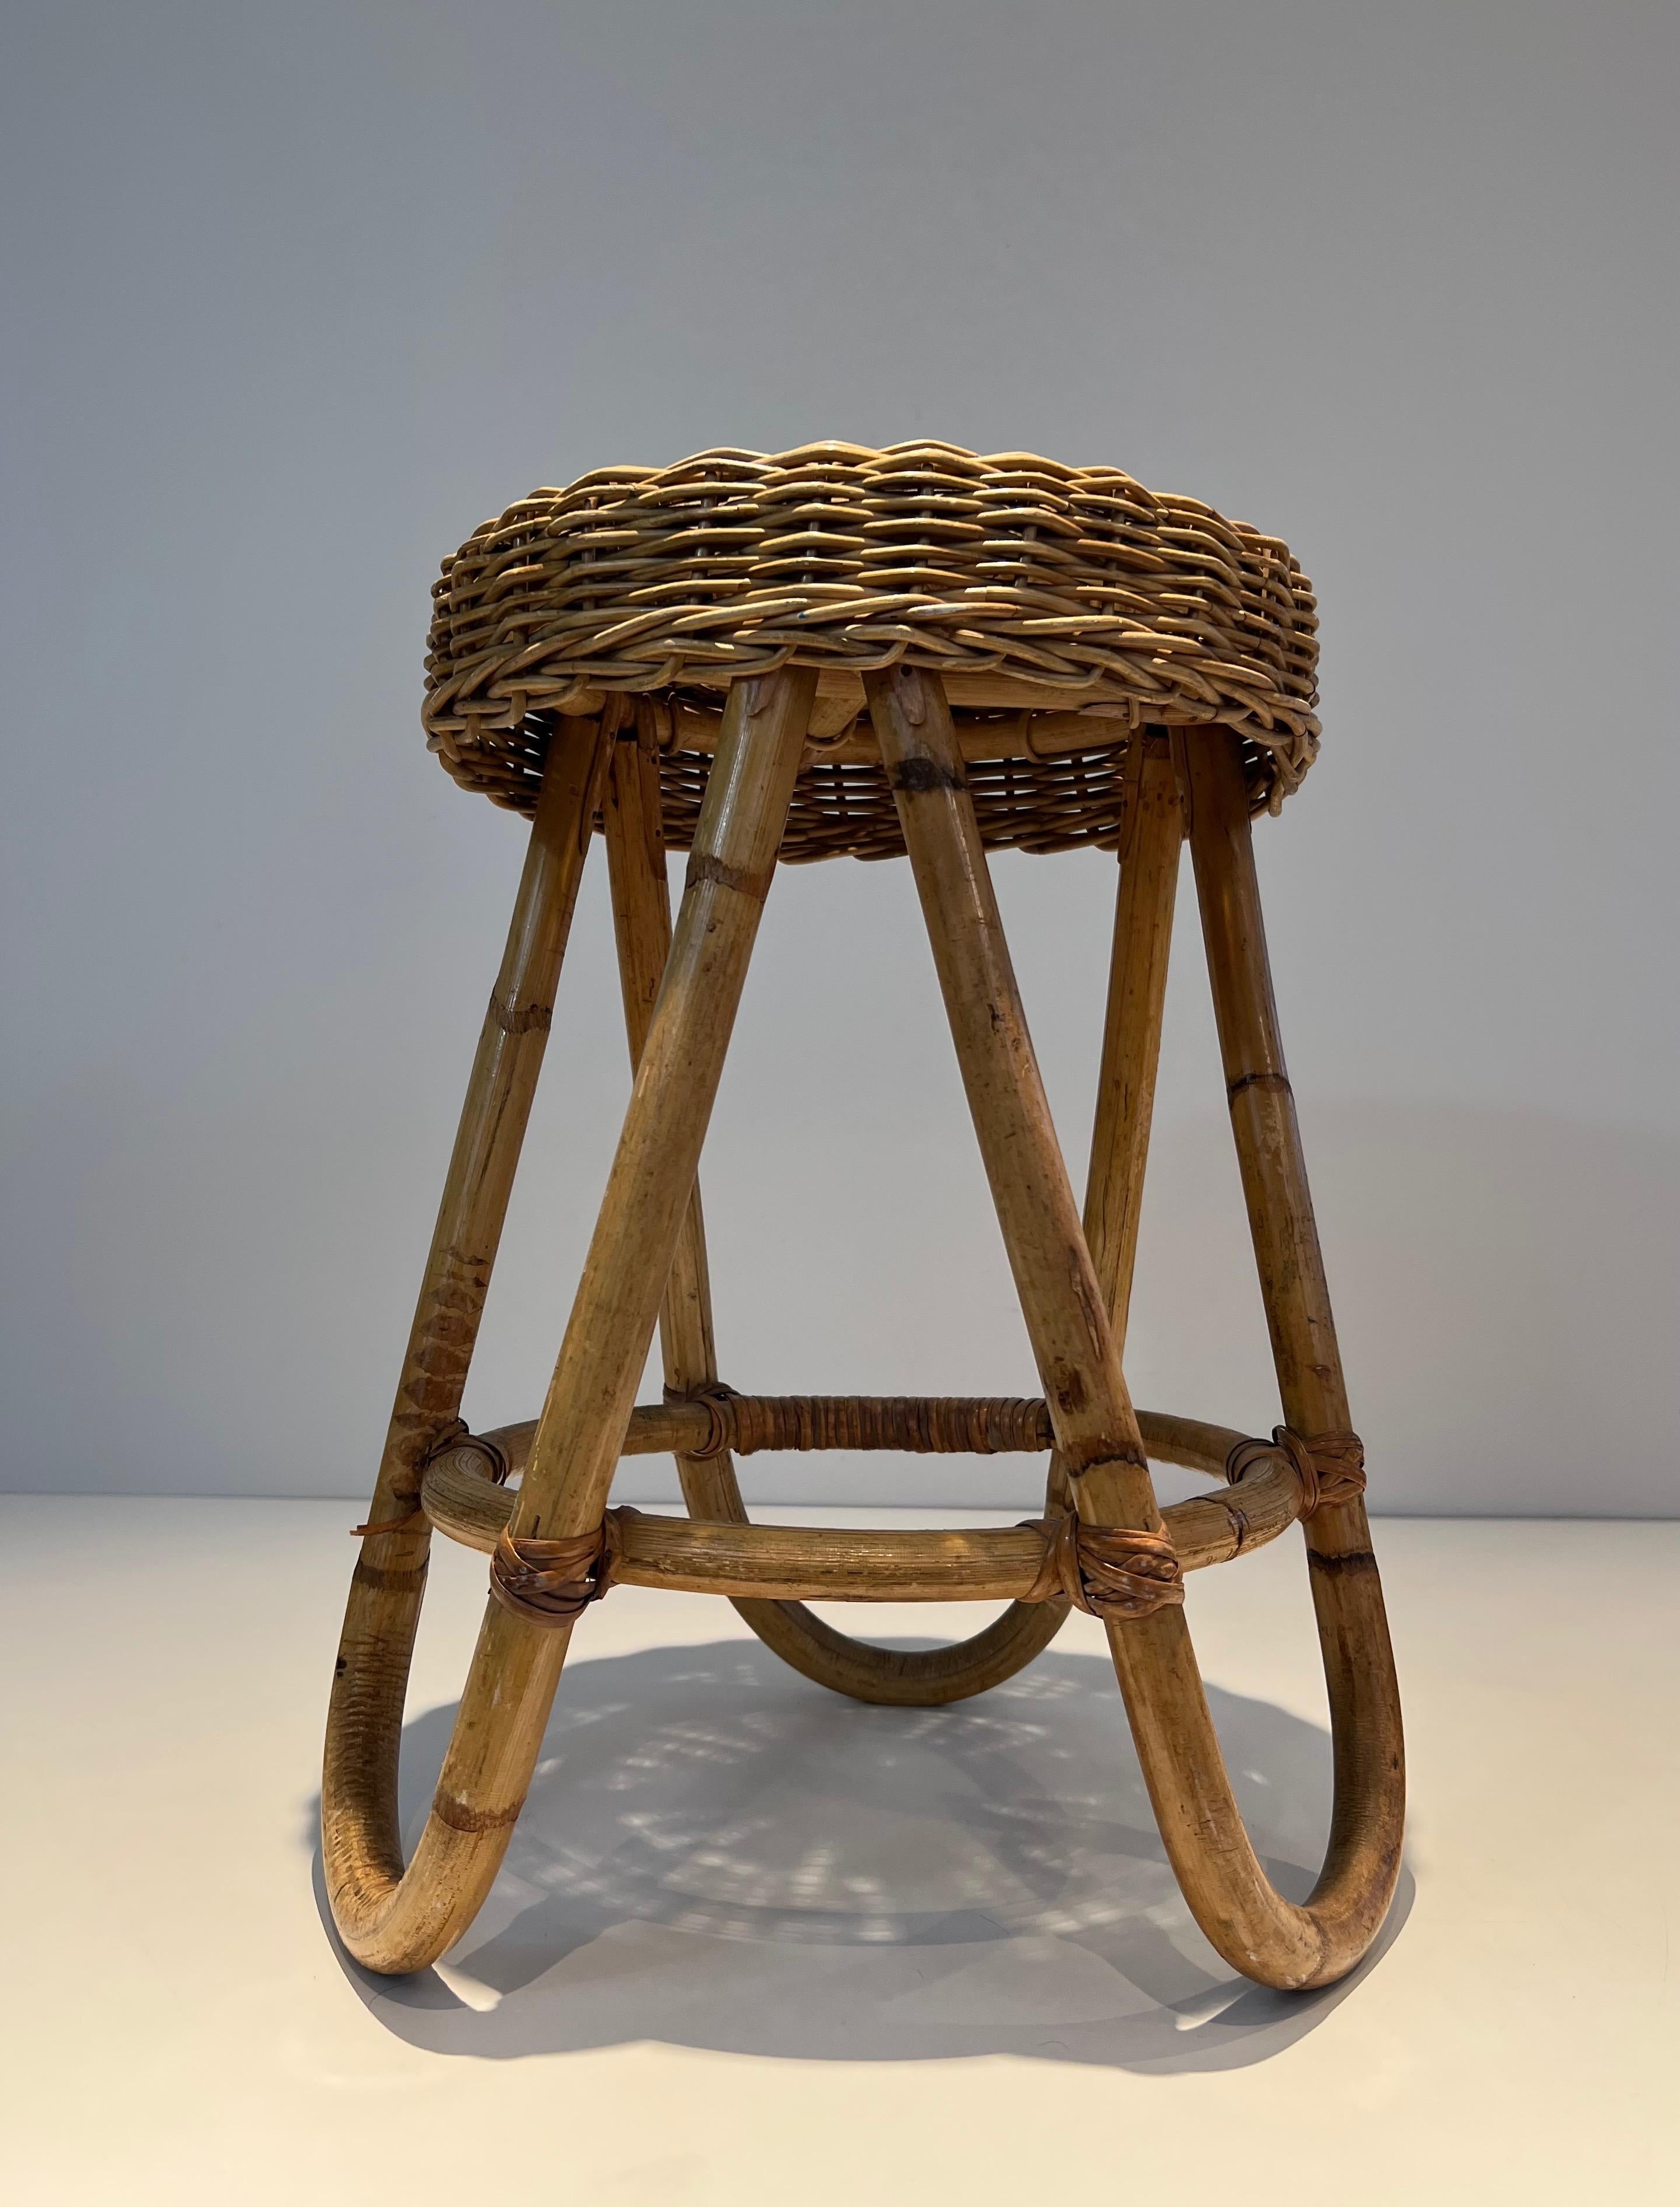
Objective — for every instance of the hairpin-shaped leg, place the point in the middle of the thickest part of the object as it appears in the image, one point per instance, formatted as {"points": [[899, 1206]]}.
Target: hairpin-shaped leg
{"points": [[394, 1919], [360, 1844], [1253, 1926], [1353, 1895]]}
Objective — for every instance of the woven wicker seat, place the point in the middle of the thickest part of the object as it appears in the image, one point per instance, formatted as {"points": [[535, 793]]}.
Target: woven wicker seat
{"points": [[1062, 608], [918, 652]]}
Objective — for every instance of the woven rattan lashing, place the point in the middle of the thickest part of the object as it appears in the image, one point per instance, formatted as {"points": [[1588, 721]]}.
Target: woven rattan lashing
{"points": [[921, 1425], [1028, 586]]}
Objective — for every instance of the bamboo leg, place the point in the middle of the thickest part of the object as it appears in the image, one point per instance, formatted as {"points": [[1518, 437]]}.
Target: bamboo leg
{"points": [[395, 1920], [642, 921], [651, 1185], [1258, 1931], [1131, 1034], [1364, 1862], [1091, 1413], [1143, 908], [360, 1844], [919, 1677]]}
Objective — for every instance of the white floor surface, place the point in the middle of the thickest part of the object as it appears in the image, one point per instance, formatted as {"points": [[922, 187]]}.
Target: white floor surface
{"points": [[756, 1943]]}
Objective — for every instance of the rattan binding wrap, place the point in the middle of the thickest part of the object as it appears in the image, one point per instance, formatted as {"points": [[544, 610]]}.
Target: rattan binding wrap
{"points": [[997, 572]]}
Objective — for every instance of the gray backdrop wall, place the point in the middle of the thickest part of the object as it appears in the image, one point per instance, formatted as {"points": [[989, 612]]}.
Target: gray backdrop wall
{"points": [[295, 295]]}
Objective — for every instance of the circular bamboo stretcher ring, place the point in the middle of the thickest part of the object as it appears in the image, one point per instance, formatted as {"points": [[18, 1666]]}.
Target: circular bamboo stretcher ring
{"points": [[465, 1494], [796, 1563]]}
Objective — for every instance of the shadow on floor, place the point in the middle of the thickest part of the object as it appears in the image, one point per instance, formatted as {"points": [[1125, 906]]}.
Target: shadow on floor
{"points": [[717, 1854]]}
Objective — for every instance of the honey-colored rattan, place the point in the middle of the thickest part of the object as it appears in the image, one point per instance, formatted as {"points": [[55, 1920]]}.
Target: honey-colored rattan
{"points": [[1024, 583]]}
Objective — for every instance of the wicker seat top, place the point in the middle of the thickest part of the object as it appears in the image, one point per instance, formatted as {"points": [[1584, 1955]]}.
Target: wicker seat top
{"points": [[1066, 608]]}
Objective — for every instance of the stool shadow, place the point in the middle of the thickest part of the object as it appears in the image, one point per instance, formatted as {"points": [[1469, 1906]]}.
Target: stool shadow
{"points": [[717, 1854]]}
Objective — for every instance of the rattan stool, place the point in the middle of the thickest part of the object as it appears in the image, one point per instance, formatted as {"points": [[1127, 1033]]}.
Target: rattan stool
{"points": [[832, 651]]}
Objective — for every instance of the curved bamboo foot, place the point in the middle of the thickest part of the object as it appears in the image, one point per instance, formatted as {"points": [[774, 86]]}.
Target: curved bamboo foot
{"points": [[902, 1677], [1273, 1941], [388, 1920], [1269, 1939], [1293, 1948], [394, 1919]]}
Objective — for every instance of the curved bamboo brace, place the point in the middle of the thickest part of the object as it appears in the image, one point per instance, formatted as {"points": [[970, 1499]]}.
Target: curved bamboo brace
{"points": [[393, 1919], [905, 1677], [915, 1677], [1251, 1925]]}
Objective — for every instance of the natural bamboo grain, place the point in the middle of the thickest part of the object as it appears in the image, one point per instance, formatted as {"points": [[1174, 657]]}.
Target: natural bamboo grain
{"points": [[1144, 911], [642, 923], [1144, 907], [360, 1845]]}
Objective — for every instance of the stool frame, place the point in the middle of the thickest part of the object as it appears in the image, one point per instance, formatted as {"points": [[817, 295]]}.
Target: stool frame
{"points": [[647, 1266]]}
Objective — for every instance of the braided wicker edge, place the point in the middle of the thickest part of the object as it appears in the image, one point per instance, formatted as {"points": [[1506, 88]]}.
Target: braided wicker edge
{"points": [[1071, 585]]}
